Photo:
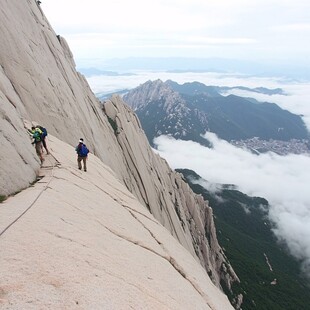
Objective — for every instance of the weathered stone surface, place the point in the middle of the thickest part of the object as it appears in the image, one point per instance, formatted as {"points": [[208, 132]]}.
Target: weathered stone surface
{"points": [[38, 82], [86, 242]]}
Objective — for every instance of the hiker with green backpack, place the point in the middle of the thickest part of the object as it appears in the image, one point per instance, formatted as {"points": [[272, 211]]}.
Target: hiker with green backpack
{"points": [[43, 137], [37, 141], [82, 152]]}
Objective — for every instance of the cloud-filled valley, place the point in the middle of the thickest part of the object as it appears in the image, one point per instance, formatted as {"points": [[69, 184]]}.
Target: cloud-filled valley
{"points": [[282, 180]]}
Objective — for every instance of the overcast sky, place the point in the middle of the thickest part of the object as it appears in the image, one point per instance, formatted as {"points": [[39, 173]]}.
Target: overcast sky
{"points": [[240, 29]]}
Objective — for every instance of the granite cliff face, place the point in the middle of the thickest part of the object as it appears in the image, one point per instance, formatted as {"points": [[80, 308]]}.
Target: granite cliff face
{"points": [[39, 83]]}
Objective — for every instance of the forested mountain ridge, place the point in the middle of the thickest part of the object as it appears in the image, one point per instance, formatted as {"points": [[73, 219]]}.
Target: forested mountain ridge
{"points": [[270, 278], [187, 111]]}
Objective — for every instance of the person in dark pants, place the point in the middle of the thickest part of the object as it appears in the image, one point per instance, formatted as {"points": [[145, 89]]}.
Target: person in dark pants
{"points": [[44, 135], [82, 152], [37, 141]]}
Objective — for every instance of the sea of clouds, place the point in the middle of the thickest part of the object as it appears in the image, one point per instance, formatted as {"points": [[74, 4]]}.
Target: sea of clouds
{"points": [[283, 180]]}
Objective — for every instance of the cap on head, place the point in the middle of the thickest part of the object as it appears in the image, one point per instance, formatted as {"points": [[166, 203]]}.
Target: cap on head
{"points": [[81, 140]]}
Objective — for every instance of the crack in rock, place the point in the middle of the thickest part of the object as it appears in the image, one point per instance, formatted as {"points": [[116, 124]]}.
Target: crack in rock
{"points": [[136, 211], [175, 265], [67, 239]]}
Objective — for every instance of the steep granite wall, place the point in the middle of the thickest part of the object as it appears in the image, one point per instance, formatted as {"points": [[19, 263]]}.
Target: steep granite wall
{"points": [[38, 82]]}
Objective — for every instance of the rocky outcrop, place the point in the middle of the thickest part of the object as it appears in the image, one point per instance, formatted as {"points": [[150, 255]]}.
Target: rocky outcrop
{"points": [[156, 91], [38, 82], [163, 111]]}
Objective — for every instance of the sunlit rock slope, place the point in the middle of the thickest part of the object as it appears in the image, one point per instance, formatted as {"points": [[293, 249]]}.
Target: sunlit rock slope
{"points": [[86, 242]]}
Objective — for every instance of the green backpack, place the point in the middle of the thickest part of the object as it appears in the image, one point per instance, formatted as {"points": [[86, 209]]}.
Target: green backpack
{"points": [[37, 136]]}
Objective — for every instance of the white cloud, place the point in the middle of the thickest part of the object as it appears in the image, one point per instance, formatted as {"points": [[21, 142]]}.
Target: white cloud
{"points": [[282, 180], [246, 209], [214, 188]]}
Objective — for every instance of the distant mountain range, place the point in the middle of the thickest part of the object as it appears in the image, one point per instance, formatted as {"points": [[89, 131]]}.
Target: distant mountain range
{"points": [[187, 111], [242, 67], [196, 88], [89, 72], [269, 276]]}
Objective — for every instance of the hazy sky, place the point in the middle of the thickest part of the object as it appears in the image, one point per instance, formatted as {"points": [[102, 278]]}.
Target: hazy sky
{"points": [[241, 29]]}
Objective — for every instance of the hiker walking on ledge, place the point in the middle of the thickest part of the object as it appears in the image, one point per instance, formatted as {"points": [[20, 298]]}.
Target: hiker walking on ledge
{"points": [[37, 141], [82, 152], [44, 135]]}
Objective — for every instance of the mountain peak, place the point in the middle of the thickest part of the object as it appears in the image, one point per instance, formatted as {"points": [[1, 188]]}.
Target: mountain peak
{"points": [[153, 91]]}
